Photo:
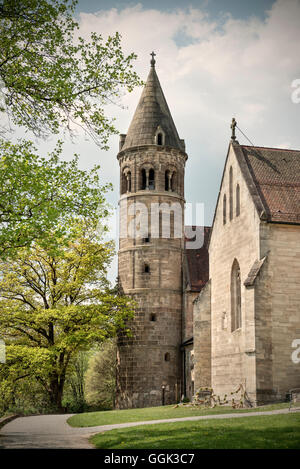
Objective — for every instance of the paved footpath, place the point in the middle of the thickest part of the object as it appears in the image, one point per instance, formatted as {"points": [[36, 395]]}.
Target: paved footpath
{"points": [[53, 432]]}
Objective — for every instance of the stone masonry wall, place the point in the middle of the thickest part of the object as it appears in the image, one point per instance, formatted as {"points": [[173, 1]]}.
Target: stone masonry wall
{"points": [[278, 311], [233, 358], [202, 339]]}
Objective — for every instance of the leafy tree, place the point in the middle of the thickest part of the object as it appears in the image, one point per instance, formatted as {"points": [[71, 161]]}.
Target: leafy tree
{"points": [[40, 196], [50, 78], [54, 304], [100, 378]]}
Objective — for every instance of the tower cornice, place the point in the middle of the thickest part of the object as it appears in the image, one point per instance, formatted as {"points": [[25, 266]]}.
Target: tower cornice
{"points": [[157, 148]]}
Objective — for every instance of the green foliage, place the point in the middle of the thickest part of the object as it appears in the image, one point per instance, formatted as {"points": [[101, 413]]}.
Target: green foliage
{"points": [[55, 304], [52, 79], [73, 397], [101, 377], [22, 394], [39, 197]]}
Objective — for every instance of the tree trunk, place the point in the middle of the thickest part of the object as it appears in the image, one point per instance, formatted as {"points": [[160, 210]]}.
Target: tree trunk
{"points": [[56, 394]]}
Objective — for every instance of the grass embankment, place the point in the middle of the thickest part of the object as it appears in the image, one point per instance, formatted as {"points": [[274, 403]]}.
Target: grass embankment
{"points": [[92, 419], [261, 432]]}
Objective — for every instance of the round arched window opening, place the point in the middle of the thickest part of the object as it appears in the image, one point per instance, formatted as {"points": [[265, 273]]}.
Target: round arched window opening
{"points": [[167, 357], [159, 139], [151, 179], [143, 179]]}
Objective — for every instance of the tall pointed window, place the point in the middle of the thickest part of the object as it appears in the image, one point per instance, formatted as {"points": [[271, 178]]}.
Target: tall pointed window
{"points": [[224, 209], [237, 198], [230, 194], [159, 139], [236, 303]]}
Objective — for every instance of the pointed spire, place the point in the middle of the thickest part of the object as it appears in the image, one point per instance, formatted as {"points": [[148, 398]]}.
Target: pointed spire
{"points": [[152, 116]]}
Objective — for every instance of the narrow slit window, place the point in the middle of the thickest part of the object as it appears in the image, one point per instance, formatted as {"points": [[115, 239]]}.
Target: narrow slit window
{"points": [[230, 193], [224, 209], [167, 357], [238, 202]]}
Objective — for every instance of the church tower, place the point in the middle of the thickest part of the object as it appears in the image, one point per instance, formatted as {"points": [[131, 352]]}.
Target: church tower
{"points": [[152, 160]]}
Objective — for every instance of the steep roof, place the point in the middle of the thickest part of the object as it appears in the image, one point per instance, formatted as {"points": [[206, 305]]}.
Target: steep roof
{"points": [[151, 114], [275, 173], [197, 263]]}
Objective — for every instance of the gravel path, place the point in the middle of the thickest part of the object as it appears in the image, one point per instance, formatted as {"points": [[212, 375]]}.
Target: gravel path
{"points": [[52, 431]]}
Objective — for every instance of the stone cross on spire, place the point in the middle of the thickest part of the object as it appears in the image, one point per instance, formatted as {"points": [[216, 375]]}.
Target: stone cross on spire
{"points": [[152, 60], [233, 126]]}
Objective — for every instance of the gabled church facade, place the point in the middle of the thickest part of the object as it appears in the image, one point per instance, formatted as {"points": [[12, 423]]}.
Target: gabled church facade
{"points": [[228, 312], [251, 306]]}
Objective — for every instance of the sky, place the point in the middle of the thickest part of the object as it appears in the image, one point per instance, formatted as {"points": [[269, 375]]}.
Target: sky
{"points": [[215, 60]]}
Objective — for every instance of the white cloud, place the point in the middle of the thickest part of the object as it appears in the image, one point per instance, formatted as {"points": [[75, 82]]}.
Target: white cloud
{"points": [[241, 68]]}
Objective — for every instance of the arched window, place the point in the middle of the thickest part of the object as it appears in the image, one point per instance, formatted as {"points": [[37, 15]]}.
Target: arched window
{"points": [[147, 269], [167, 357], [159, 137], [128, 177], [237, 212], [230, 194], [153, 317], [143, 179], [236, 304], [224, 209], [173, 182], [151, 179], [170, 180], [126, 181], [167, 178]]}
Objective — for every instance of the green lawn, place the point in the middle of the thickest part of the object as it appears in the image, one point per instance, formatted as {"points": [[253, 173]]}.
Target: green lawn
{"points": [[91, 419], [268, 432]]}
